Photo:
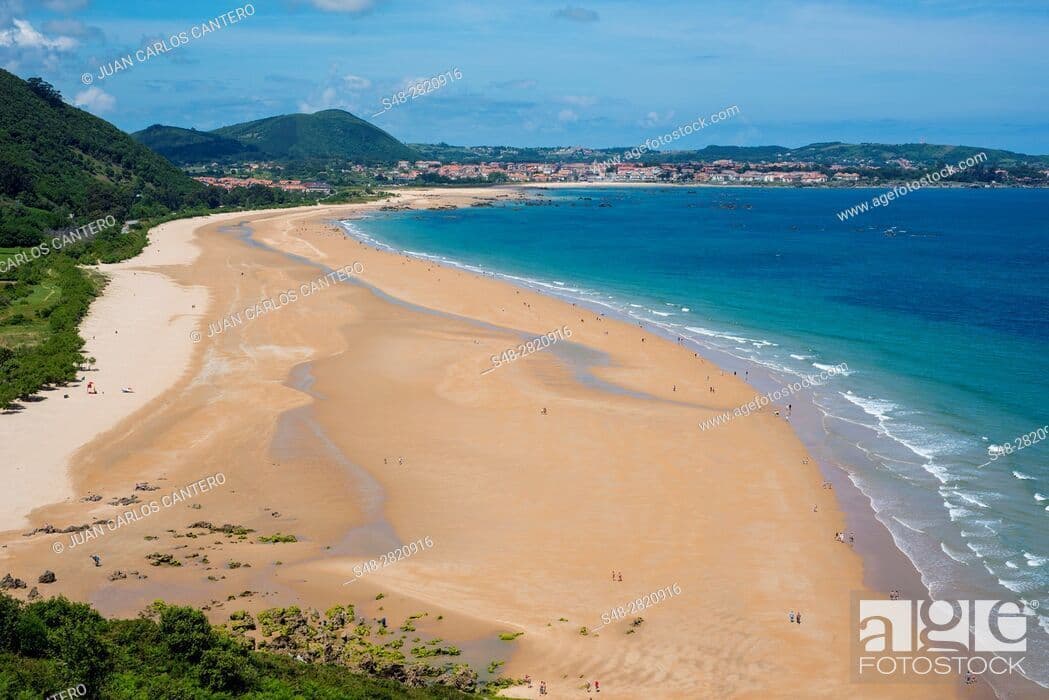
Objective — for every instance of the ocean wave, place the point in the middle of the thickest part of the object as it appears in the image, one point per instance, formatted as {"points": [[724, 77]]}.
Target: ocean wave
{"points": [[1021, 475], [959, 557], [801, 358], [1034, 560], [1039, 497], [836, 369], [908, 526]]}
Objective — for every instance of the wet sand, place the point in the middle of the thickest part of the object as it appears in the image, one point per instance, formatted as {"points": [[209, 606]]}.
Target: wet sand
{"points": [[362, 416]]}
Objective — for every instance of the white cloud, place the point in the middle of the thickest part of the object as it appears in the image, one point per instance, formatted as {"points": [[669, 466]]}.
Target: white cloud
{"points": [[567, 115], [344, 5], [656, 119], [577, 14], [95, 100], [65, 5], [580, 100], [23, 36], [355, 82]]}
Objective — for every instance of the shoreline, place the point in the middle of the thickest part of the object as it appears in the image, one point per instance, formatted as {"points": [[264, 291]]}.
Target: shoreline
{"points": [[366, 354]]}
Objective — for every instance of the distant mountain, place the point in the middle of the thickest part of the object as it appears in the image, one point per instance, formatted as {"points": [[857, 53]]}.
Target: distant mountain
{"points": [[185, 146], [330, 134], [823, 153], [57, 160]]}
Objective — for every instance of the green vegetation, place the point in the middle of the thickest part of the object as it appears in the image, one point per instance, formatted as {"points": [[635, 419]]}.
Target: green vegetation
{"points": [[61, 167], [509, 636], [186, 146], [277, 537], [169, 652], [332, 134]]}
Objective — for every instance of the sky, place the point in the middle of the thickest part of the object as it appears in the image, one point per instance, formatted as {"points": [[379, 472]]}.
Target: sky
{"points": [[547, 73]]}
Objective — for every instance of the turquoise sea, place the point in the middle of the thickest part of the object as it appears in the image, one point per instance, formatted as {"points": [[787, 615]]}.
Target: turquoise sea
{"points": [[938, 303]]}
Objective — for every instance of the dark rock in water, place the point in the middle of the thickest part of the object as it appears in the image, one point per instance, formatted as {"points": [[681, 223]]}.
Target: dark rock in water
{"points": [[117, 575], [47, 577], [9, 582], [33, 593]]}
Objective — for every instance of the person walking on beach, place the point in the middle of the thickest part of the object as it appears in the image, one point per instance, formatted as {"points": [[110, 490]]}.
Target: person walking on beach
{"points": [[588, 686], [542, 687], [620, 579], [792, 616], [97, 559], [798, 618], [597, 686]]}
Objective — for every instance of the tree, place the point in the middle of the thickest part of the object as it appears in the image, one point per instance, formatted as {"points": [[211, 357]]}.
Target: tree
{"points": [[46, 90], [186, 631]]}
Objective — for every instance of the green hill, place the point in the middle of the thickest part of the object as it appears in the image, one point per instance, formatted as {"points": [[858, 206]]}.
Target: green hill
{"points": [[58, 163], [191, 146], [331, 134]]}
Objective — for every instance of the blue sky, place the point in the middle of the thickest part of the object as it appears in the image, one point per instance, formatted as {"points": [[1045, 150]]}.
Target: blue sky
{"points": [[588, 72]]}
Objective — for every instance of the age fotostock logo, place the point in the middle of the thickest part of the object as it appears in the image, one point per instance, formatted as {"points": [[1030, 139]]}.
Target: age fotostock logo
{"points": [[909, 640]]}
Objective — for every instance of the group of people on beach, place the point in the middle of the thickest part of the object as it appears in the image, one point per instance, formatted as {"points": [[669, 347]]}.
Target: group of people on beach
{"points": [[842, 536], [795, 616], [620, 576], [542, 684]]}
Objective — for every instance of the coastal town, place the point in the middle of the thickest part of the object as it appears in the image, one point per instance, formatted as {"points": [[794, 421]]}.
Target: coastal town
{"points": [[610, 170]]}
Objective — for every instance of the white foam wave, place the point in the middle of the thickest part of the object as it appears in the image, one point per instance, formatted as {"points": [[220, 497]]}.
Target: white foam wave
{"points": [[1034, 560], [1021, 475]]}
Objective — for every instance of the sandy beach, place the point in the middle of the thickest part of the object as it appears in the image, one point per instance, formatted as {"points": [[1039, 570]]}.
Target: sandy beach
{"points": [[347, 396]]}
